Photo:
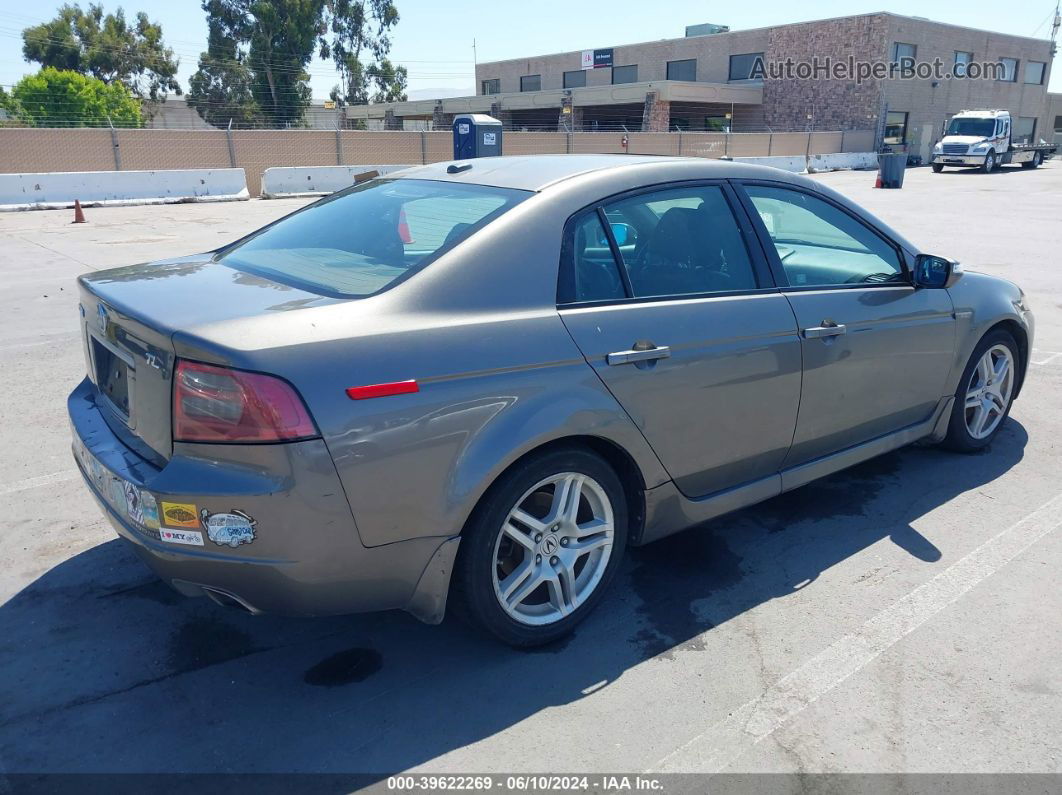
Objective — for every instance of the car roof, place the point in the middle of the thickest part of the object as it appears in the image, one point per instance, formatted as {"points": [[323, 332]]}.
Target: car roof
{"points": [[538, 172]]}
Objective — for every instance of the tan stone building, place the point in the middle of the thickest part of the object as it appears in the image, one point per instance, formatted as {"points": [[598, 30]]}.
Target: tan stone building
{"points": [[753, 80]]}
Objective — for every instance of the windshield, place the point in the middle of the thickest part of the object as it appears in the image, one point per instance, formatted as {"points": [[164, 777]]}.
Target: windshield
{"points": [[361, 240], [982, 128]]}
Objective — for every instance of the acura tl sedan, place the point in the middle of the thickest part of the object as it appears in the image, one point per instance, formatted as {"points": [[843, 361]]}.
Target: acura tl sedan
{"points": [[480, 382]]}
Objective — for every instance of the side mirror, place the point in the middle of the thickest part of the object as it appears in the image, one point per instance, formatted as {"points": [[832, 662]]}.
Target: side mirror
{"points": [[938, 272], [624, 234]]}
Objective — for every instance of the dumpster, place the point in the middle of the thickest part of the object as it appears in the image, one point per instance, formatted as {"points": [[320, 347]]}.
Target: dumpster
{"points": [[891, 167], [476, 135]]}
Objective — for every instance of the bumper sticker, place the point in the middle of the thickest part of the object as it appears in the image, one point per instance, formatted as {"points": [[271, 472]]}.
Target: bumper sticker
{"points": [[180, 514], [150, 509], [229, 529], [133, 505], [117, 493], [191, 537]]}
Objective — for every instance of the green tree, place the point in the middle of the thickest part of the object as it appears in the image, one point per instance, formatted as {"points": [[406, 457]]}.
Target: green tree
{"points": [[220, 90], [260, 47], [255, 64], [107, 47], [283, 39], [390, 81], [9, 112], [54, 98], [361, 39]]}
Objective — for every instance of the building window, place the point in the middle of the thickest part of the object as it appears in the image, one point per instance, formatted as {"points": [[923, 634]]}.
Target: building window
{"points": [[682, 70], [624, 74], [1034, 73], [492, 86], [531, 83], [742, 66], [962, 63], [1025, 130], [576, 79], [896, 127], [1009, 71], [903, 54], [1058, 123]]}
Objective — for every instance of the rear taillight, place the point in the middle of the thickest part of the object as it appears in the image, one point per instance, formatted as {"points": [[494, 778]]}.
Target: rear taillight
{"points": [[219, 404]]}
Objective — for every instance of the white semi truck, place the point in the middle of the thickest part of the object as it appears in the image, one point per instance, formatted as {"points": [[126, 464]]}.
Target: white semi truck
{"points": [[982, 138]]}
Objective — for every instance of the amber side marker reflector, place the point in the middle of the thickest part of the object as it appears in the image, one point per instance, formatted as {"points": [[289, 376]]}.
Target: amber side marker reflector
{"points": [[382, 390]]}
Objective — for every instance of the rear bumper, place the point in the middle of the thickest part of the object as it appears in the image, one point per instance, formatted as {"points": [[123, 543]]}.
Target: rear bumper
{"points": [[302, 554]]}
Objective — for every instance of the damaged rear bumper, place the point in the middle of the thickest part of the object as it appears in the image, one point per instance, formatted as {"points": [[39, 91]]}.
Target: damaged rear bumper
{"points": [[264, 527]]}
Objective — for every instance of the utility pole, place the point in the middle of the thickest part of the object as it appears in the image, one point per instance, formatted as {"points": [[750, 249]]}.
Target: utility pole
{"points": [[1055, 26]]}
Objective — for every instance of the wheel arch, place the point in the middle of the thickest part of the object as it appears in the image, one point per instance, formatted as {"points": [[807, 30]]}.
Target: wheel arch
{"points": [[1021, 337], [615, 455]]}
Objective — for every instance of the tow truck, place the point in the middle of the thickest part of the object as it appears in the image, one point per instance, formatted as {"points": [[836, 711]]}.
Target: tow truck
{"points": [[982, 138]]}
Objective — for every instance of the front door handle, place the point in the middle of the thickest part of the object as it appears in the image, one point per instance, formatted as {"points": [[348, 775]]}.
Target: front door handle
{"points": [[827, 329], [637, 355]]}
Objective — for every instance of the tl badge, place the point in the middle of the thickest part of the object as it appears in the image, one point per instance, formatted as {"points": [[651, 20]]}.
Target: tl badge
{"points": [[228, 529]]}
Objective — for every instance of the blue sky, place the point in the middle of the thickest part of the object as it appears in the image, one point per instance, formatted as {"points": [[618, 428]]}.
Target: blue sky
{"points": [[434, 39]]}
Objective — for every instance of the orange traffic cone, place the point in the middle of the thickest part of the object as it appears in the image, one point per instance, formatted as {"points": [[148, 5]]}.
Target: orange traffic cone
{"points": [[877, 182], [79, 214], [403, 228]]}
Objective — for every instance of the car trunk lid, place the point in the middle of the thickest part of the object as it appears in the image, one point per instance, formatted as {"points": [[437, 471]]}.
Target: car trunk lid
{"points": [[129, 317]]}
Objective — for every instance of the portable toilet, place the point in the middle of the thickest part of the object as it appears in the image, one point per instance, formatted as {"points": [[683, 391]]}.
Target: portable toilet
{"points": [[476, 135]]}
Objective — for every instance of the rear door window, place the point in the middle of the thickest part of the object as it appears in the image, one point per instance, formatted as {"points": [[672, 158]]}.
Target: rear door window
{"points": [[688, 242], [670, 242], [596, 276], [362, 240]]}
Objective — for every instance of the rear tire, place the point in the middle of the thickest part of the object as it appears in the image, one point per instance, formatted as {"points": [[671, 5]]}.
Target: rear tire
{"points": [[938, 167], [1034, 163], [985, 394], [533, 563]]}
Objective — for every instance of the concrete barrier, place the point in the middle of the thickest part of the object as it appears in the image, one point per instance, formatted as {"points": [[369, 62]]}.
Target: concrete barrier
{"points": [[297, 181], [798, 164], [842, 160], [109, 188]]}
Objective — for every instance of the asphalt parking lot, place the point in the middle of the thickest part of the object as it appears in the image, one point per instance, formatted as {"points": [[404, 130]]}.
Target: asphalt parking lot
{"points": [[903, 616]]}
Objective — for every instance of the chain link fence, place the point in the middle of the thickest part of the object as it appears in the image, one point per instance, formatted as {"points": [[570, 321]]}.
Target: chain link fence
{"points": [[32, 150]]}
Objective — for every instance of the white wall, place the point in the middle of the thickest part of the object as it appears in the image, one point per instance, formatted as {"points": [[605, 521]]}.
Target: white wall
{"points": [[60, 189], [313, 180]]}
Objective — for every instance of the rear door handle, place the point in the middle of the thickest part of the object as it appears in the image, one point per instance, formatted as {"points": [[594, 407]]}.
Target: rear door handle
{"points": [[634, 355], [827, 329]]}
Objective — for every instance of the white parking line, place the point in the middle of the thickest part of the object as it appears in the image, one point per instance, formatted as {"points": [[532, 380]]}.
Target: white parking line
{"points": [[42, 480], [1050, 356], [755, 720]]}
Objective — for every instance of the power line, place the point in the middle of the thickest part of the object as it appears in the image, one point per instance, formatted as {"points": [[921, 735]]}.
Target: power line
{"points": [[275, 64]]}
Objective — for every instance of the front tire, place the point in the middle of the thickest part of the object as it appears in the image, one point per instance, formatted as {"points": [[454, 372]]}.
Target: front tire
{"points": [[985, 394], [990, 162], [542, 547], [938, 167]]}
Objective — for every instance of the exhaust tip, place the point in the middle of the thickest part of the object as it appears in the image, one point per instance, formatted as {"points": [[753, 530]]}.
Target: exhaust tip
{"points": [[226, 599]]}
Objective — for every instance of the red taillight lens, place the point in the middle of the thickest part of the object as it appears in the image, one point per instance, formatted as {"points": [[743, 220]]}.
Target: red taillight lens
{"points": [[219, 404]]}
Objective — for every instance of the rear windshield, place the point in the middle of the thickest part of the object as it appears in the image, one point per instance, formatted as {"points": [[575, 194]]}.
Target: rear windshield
{"points": [[363, 239]]}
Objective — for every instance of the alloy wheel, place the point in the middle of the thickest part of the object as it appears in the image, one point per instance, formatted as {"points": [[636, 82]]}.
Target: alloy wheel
{"points": [[989, 391], [553, 548]]}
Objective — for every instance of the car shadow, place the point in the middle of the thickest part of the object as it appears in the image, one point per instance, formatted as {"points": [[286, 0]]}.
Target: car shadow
{"points": [[107, 669], [969, 170]]}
